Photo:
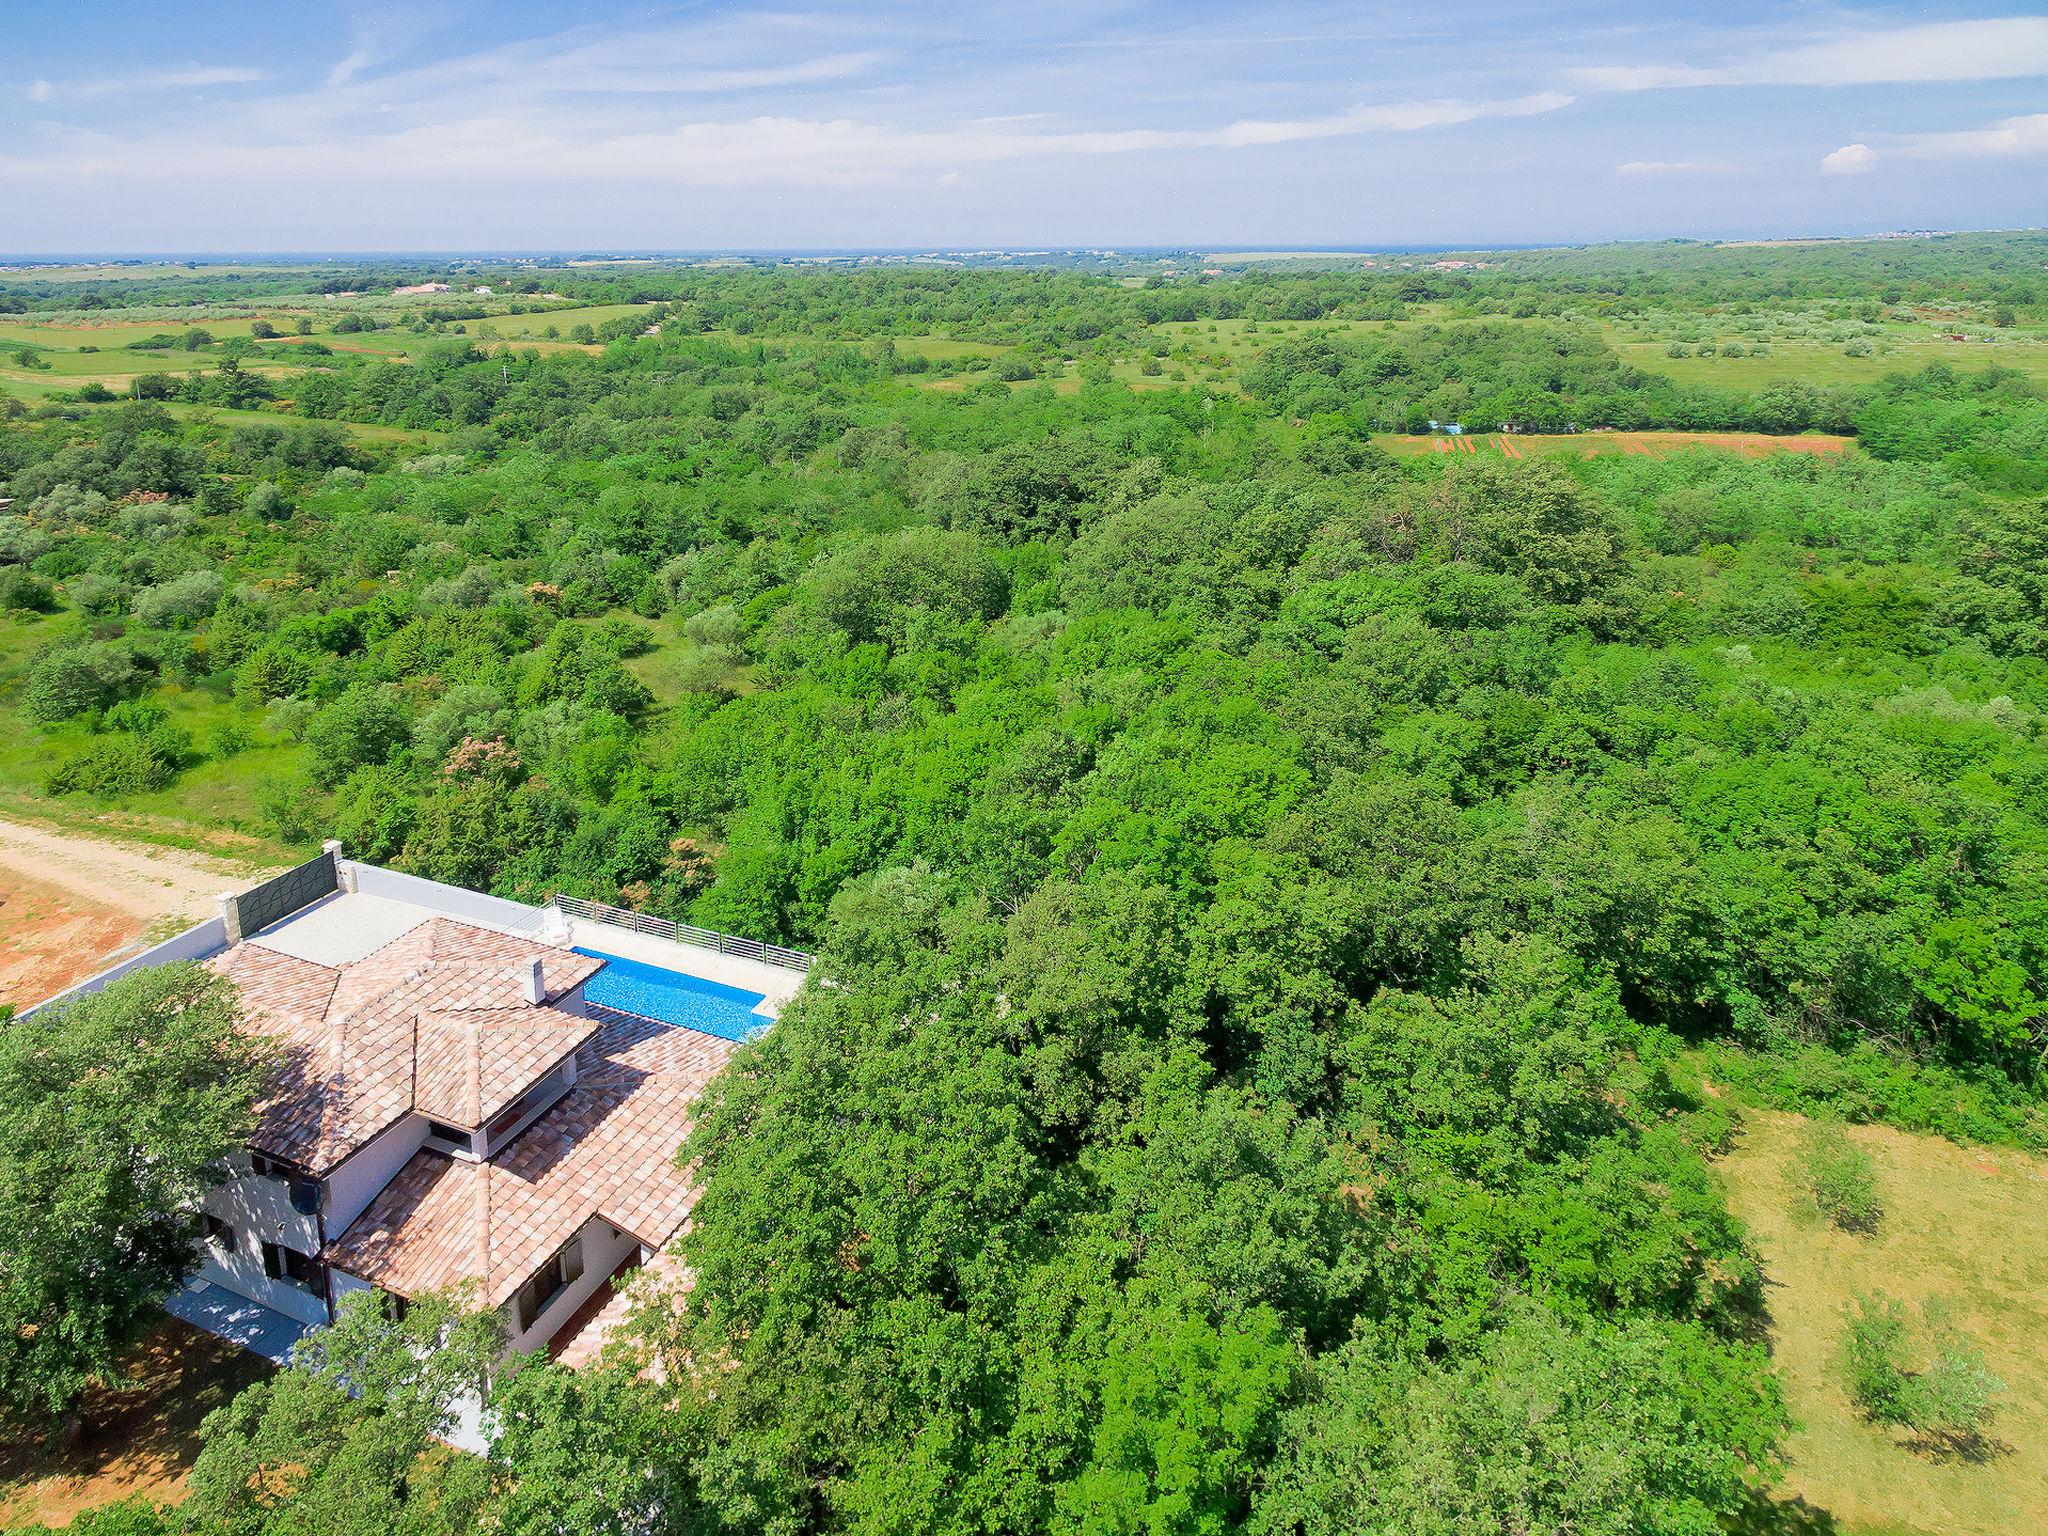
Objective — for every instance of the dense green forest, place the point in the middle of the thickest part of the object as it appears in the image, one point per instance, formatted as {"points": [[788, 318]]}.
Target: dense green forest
{"points": [[1266, 886]]}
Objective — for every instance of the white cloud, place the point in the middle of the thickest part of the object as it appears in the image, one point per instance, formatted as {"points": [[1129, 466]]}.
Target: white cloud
{"points": [[1644, 170], [543, 142], [2014, 136], [1849, 160], [2010, 138], [2006, 49], [194, 77], [350, 64]]}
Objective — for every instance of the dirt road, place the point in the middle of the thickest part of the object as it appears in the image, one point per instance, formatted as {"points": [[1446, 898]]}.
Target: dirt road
{"points": [[70, 903]]}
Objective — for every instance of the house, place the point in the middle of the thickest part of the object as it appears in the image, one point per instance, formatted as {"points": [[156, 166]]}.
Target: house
{"points": [[467, 1091], [1449, 428], [481, 291], [408, 291]]}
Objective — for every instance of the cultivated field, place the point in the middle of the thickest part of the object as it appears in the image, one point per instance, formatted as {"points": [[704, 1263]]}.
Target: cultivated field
{"points": [[1592, 444], [1968, 1225]]}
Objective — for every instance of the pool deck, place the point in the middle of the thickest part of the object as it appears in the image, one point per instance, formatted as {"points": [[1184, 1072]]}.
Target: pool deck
{"points": [[774, 983]]}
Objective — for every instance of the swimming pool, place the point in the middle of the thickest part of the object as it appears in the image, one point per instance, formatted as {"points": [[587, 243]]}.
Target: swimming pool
{"points": [[653, 992]]}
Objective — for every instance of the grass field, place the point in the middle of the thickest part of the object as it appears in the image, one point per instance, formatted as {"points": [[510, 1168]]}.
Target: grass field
{"points": [[1964, 1224], [512, 327], [1818, 363], [119, 333]]}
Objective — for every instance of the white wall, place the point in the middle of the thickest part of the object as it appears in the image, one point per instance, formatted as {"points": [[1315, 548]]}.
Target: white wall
{"points": [[264, 1205], [360, 1179], [605, 1247], [254, 1213]]}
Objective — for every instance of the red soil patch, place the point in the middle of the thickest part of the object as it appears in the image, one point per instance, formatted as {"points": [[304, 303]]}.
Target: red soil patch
{"points": [[51, 937]]}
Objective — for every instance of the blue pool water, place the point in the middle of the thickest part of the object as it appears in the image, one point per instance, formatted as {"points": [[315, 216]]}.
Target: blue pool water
{"points": [[653, 992]]}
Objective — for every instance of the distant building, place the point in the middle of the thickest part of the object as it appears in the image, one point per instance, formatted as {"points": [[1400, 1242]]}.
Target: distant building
{"points": [[1448, 428], [481, 290], [406, 292]]}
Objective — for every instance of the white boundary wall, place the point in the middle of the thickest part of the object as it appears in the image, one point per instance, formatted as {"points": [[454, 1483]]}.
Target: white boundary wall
{"points": [[208, 938]]}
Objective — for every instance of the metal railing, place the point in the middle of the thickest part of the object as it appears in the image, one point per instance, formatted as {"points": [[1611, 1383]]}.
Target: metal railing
{"points": [[681, 933]]}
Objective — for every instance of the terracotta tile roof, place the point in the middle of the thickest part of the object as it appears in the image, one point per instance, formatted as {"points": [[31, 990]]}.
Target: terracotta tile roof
{"points": [[600, 1325], [607, 1148], [470, 1065], [352, 1035]]}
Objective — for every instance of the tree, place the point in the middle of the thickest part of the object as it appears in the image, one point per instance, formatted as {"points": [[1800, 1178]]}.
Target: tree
{"points": [[363, 727], [1645, 1429], [67, 680], [116, 1111], [1950, 1396], [345, 1440], [593, 1452]]}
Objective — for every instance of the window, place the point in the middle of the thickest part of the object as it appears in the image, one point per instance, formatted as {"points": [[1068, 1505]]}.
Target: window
{"points": [[528, 1101], [301, 1269], [265, 1168], [396, 1306], [218, 1233], [548, 1282]]}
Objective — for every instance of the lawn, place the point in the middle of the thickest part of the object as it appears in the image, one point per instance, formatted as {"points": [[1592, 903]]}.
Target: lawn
{"points": [[1968, 1225], [139, 1442]]}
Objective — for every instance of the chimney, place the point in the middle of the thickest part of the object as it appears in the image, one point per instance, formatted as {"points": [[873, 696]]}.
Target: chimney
{"points": [[529, 981]]}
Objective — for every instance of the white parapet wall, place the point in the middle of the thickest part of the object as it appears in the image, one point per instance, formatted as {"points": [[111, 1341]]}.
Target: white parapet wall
{"points": [[513, 917]]}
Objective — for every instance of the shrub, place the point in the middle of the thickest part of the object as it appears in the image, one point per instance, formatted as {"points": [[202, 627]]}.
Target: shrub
{"points": [[97, 592], [229, 738], [21, 541], [69, 680], [1955, 1396], [180, 600], [289, 808], [1952, 1397], [1841, 1178], [124, 763], [25, 592], [365, 725], [1875, 1356]]}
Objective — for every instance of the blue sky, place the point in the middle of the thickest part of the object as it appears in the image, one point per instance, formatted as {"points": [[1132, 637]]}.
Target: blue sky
{"points": [[451, 124]]}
